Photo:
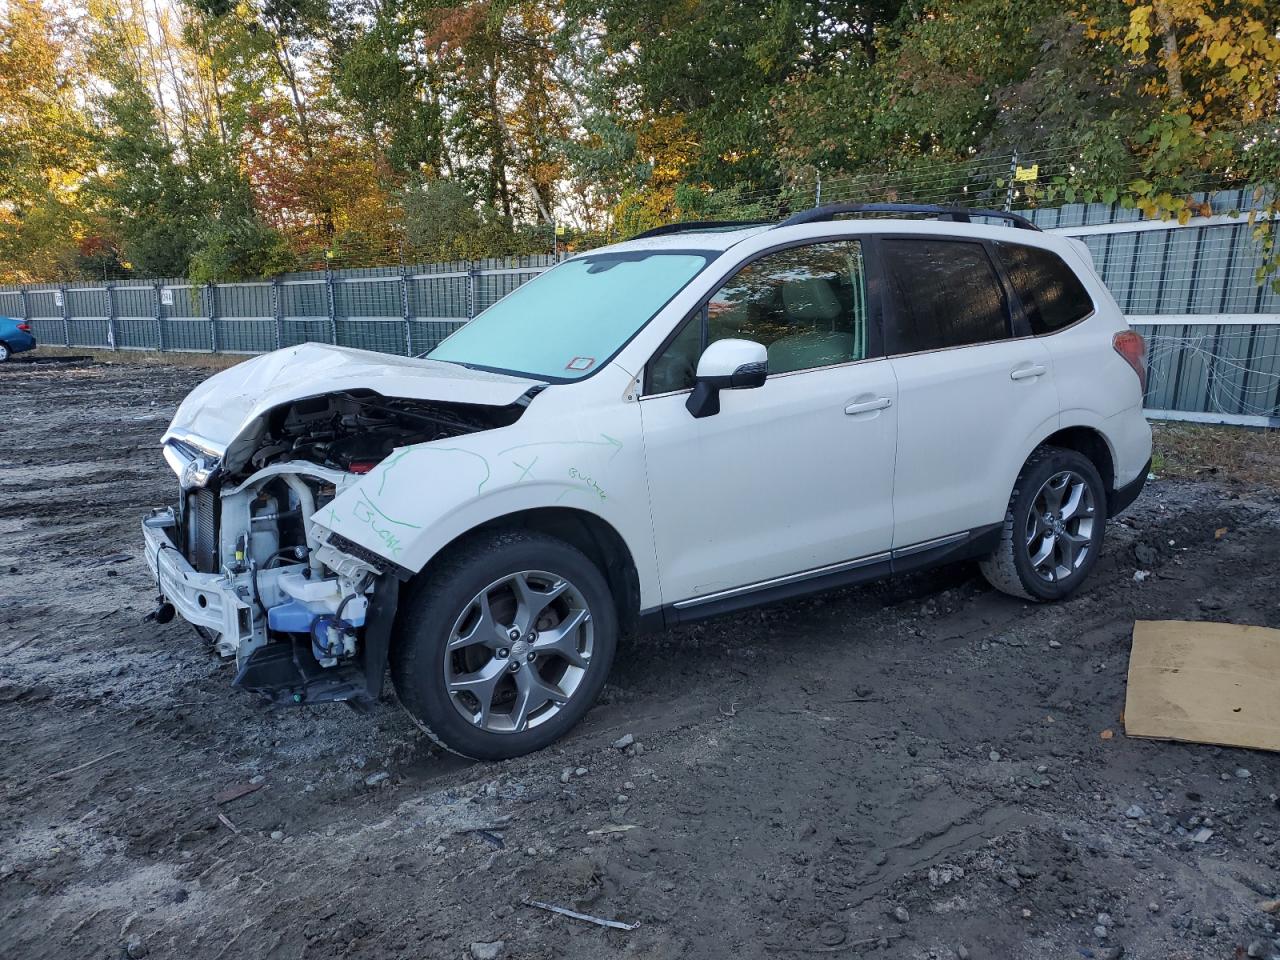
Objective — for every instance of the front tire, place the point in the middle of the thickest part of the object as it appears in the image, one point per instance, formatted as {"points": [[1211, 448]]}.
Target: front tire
{"points": [[1053, 528], [4, 352], [506, 645]]}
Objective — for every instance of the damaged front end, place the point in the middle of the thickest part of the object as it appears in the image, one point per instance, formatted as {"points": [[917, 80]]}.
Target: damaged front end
{"points": [[306, 613]]}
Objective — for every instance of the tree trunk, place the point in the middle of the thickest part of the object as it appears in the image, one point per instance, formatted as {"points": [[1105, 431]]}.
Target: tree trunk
{"points": [[1169, 42]]}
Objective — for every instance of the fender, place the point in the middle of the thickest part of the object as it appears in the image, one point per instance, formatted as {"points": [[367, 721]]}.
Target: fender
{"points": [[425, 496]]}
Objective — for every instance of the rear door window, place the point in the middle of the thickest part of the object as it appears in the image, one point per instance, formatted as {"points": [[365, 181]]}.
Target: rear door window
{"points": [[945, 293], [1052, 295]]}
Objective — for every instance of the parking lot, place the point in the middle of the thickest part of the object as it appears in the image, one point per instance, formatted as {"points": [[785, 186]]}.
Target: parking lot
{"points": [[921, 768]]}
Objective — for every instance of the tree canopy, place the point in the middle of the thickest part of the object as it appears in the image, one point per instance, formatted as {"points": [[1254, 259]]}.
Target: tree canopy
{"points": [[226, 139]]}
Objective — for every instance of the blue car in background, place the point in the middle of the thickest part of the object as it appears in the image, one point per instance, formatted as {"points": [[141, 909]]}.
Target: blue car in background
{"points": [[15, 337]]}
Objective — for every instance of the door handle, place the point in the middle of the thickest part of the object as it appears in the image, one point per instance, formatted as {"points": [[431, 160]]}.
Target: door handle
{"points": [[867, 406], [1028, 372]]}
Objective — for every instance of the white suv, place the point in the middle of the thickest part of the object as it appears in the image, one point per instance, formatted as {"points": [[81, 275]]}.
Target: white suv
{"points": [[704, 418]]}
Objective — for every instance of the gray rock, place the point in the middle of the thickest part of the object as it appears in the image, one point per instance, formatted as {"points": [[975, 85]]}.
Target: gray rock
{"points": [[1153, 906], [1256, 949], [566, 774], [277, 834], [1025, 872], [624, 741], [1135, 812], [374, 779], [1242, 773], [1202, 835], [962, 952], [994, 755], [901, 915], [490, 950], [1109, 953], [1100, 932], [135, 949], [580, 772]]}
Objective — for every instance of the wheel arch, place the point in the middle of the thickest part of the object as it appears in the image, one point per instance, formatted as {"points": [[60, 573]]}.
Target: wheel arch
{"points": [[594, 536], [1089, 442]]}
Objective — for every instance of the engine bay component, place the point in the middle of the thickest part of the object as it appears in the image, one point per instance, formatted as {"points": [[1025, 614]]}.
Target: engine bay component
{"points": [[354, 432]]}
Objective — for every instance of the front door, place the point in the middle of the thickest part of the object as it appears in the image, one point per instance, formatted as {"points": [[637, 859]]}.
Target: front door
{"points": [[791, 477]]}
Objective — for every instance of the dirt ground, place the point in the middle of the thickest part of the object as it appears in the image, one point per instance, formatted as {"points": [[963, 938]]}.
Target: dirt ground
{"points": [[916, 769]]}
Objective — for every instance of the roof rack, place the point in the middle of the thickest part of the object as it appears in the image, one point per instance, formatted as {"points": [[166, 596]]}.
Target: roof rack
{"points": [[957, 214], [690, 225]]}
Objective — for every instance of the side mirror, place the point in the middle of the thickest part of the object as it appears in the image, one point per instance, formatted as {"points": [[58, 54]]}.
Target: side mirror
{"points": [[727, 365]]}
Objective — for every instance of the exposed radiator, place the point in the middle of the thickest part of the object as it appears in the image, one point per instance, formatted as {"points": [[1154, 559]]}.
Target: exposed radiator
{"points": [[202, 530]]}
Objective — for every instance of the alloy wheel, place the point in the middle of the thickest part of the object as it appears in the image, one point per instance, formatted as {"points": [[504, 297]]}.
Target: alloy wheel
{"points": [[518, 651], [1059, 529]]}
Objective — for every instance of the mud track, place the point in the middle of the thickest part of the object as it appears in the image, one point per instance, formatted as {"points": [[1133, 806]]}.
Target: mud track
{"points": [[799, 773]]}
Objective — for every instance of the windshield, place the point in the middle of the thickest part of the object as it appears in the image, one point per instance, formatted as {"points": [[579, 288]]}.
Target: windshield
{"points": [[570, 321]]}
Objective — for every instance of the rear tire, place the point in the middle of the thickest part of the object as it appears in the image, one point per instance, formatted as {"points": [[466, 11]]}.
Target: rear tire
{"points": [[1053, 529], [4, 352], [505, 646]]}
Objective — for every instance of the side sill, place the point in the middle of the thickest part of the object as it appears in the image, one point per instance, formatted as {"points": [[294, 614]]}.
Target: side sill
{"points": [[920, 556]]}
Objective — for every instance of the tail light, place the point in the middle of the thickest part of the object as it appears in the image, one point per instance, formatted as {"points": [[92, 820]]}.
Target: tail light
{"points": [[1130, 345], [24, 327], [361, 466]]}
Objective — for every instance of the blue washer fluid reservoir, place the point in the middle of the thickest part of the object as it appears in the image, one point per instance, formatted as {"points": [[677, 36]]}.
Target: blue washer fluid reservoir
{"points": [[291, 617], [294, 616]]}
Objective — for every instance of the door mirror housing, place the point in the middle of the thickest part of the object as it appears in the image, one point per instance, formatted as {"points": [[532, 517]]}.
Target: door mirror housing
{"points": [[727, 365]]}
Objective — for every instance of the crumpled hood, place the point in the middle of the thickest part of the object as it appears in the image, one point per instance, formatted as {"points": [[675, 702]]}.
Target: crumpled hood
{"points": [[220, 408]]}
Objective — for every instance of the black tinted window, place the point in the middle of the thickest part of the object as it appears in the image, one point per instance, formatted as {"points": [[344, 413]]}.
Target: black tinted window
{"points": [[945, 293], [1051, 293]]}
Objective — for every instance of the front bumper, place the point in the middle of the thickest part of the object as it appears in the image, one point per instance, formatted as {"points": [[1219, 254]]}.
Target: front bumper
{"points": [[208, 600]]}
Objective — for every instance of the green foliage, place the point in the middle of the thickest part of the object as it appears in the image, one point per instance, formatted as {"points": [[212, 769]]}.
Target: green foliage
{"points": [[248, 138]]}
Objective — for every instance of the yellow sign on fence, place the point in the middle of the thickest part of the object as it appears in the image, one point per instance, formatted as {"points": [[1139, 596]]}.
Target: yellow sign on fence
{"points": [[1024, 174]]}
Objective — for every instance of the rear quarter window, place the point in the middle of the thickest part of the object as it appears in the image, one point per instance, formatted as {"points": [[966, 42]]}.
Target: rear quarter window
{"points": [[1052, 295]]}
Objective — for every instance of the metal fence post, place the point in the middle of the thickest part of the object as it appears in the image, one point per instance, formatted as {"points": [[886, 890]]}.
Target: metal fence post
{"points": [[472, 276], [108, 290], [817, 190], [404, 306], [211, 299], [158, 305], [329, 301], [1013, 173], [275, 311], [66, 317], [26, 303]]}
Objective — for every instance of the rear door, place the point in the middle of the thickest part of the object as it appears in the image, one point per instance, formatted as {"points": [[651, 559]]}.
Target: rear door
{"points": [[975, 389]]}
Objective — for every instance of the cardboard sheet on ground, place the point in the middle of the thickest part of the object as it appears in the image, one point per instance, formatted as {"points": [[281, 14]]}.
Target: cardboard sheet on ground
{"points": [[1204, 683]]}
